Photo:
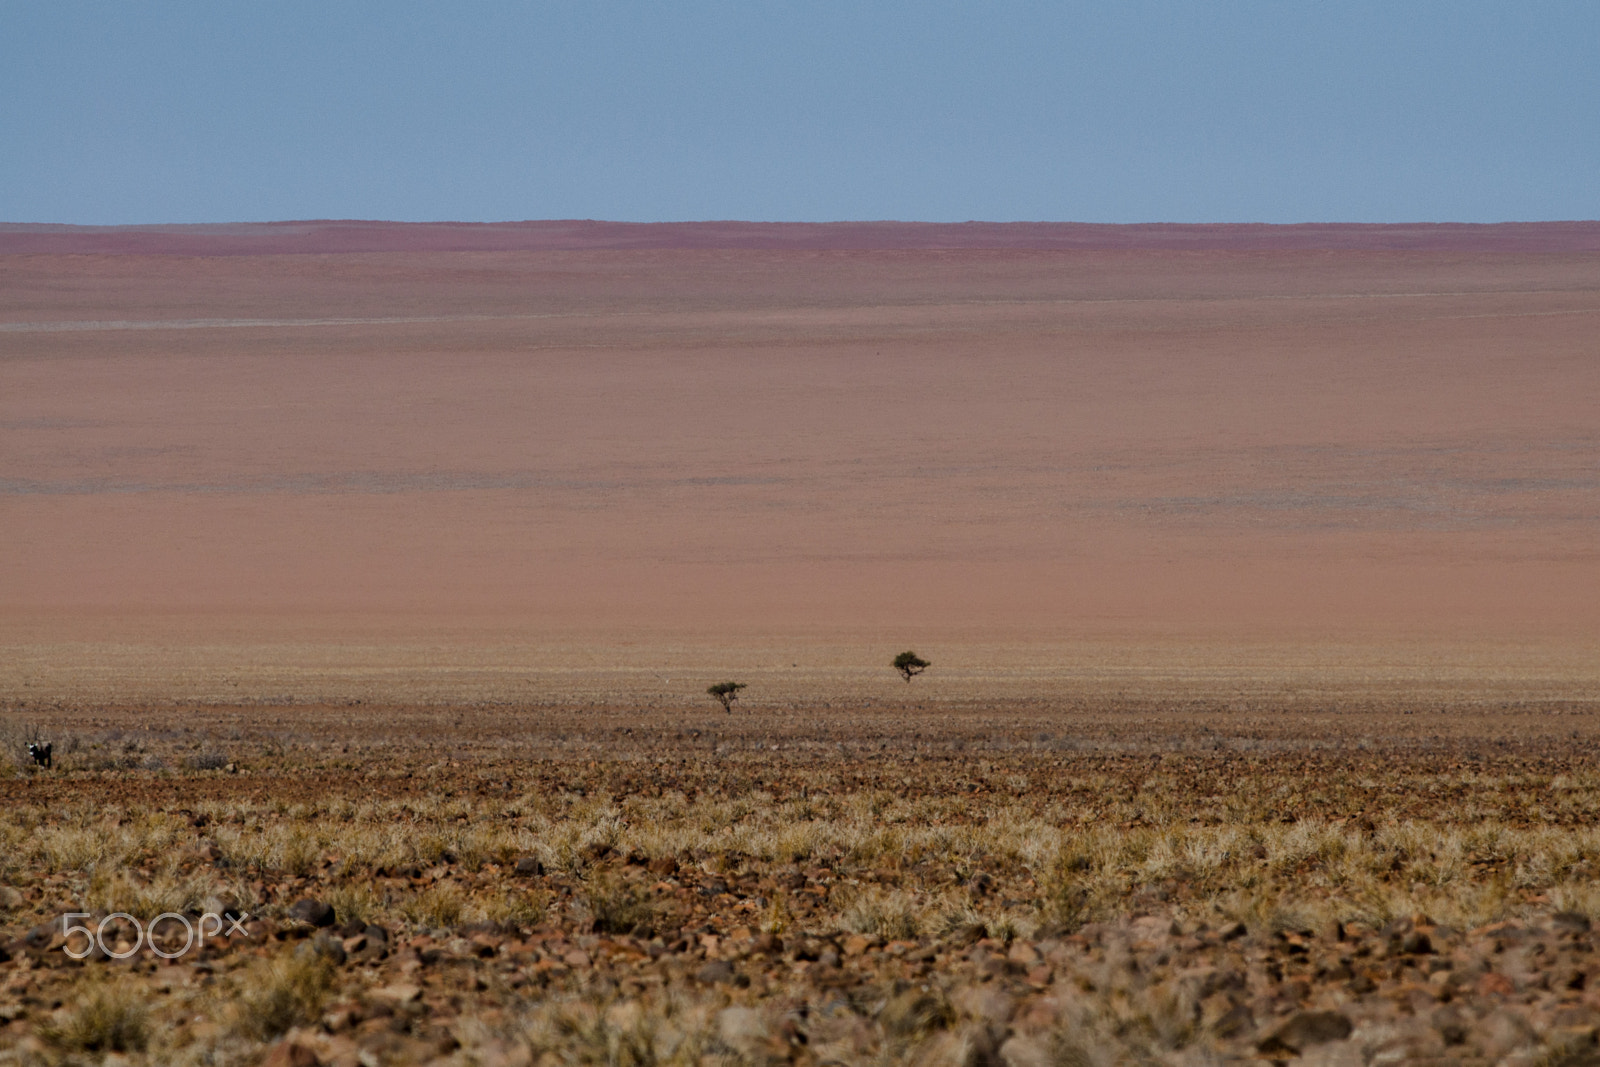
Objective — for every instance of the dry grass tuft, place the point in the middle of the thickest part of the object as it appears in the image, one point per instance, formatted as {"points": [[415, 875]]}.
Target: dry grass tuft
{"points": [[355, 902], [676, 1032], [893, 916], [616, 906], [108, 1018], [275, 996], [436, 907], [915, 1013], [510, 908]]}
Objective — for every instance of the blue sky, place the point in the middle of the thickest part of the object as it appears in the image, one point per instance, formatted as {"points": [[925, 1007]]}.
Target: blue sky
{"points": [[1120, 111]]}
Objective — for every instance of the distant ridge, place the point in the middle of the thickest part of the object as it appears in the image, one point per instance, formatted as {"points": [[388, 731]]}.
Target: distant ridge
{"points": [[322, 237]]}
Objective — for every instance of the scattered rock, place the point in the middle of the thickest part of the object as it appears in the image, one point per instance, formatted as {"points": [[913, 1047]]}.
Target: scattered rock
{"points": [[312, 912], [1307, 1028], [329, 948], [1026, 1052], [969, 934], [745, 1030], [1504, 1032], [40, 937], [1362, 984], [1023, 953], [529, 867], [1496, 984], [970, 1046], [1234, 1022], [715, 971], [341, 1016], [1416, 943], [1154, 928], [396, 995], [1570, 922], [291, 1054], [916, 1012], [985, 1002], [1452, 1025]]}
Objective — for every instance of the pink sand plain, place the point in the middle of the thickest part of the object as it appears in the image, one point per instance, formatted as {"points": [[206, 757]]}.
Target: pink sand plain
{"points": [[1210, 433]]}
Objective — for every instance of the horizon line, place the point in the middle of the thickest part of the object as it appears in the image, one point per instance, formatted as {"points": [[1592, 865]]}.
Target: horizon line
{"points": [[325, 236]]}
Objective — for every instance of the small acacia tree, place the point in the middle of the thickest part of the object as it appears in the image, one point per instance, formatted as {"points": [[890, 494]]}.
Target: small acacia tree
{"points": [[726, 693], [910, 664]]}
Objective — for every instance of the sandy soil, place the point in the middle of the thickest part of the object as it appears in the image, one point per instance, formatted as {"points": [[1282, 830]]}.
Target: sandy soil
{"points": [[1296, 439]]}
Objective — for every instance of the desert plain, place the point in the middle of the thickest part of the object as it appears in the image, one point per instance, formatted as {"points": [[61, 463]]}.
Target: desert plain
{"points": [[367, 580]]}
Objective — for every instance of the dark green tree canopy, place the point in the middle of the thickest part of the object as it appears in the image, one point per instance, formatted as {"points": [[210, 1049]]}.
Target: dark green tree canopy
{"points": [[910, 664], [726, 693]]}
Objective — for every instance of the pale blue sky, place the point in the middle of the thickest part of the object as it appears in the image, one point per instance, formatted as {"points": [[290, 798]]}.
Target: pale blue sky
{"points": [[1116, 111]]}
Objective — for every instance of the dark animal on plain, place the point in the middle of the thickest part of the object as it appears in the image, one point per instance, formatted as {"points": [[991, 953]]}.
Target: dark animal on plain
{"points": [[40, 753]]}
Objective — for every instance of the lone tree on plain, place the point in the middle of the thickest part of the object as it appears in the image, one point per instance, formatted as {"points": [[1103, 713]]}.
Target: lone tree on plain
{"points": [[910, 664], [726, 693]]}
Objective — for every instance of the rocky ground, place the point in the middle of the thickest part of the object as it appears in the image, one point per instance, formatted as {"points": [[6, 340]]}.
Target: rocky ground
{"points": [[1414, 991], [930, 897]]}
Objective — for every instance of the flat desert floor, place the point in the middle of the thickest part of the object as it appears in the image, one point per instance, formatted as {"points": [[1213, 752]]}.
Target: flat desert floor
{"points": [[924, 444], [368, 580]]}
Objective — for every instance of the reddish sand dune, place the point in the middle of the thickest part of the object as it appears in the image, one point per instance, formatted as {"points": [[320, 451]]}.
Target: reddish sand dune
{"points": [[1023, 433]]}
